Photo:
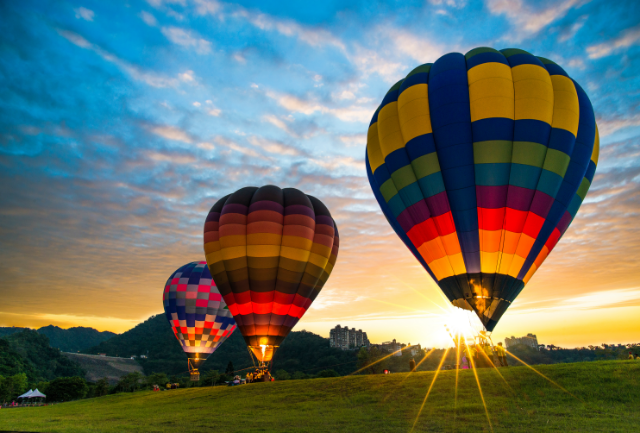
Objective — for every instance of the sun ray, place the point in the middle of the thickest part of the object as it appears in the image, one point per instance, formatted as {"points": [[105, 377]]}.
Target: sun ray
{"points": [[424, 358], [396, 305], [423, 295], [435, 376], [553, 382], [379, 360], [484, 403], [455, 401]]}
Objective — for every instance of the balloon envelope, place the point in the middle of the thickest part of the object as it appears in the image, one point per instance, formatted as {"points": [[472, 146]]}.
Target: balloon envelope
{"points": [[270, 252], [196, 311], [480, 163]]}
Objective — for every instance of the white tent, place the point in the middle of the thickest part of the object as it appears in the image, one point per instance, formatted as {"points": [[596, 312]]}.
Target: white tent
{"points": [[26, 394], [37, 394]]}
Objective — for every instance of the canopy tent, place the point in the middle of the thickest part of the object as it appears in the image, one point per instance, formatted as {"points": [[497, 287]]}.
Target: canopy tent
{"points": [[37, 394], [26, 394]]}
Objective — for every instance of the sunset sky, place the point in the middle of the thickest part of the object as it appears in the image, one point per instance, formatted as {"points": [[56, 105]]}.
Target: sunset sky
{"points": [[122, 123]]}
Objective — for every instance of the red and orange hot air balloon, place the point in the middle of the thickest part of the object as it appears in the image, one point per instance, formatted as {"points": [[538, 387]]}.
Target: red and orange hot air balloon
{"points": [[270, 252]]}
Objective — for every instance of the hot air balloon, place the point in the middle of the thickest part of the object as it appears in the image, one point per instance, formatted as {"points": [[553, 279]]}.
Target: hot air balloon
{"points": [[480, 163], [270, 252], [197, 313]]}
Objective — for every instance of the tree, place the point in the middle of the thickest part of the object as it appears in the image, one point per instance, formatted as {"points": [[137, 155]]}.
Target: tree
{"points": [[66, 389], [229, 369], [11, 387], [159, 379], [282, 375], [328, 373], [102, 387], [211, 377], [130, 382], [367, 360]]}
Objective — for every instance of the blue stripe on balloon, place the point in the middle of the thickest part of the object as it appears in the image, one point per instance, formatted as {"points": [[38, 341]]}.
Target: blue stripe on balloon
{"points": [[493, 128]]}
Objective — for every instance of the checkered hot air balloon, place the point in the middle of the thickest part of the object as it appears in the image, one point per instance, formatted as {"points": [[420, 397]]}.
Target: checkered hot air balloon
{"points": [[480, 163], [197, 313], [270, 252]]}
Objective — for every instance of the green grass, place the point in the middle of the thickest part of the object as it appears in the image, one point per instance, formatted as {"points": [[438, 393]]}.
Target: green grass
{"points": [[607, 398]]}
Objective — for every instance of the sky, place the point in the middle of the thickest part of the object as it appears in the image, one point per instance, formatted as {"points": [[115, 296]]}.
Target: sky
{"points": [[122, 123]]}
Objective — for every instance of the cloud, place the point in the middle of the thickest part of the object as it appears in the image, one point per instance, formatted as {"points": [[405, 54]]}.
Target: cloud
{"points": [[353, 140], [525, 20], [458, 4], [627, 39], [151, 78], [187, 39], [187, 77], [315, 37], [172, 133], [611, 125], [149, 19], [84, 13], [353, 113], [204, 7], [274, 147]]}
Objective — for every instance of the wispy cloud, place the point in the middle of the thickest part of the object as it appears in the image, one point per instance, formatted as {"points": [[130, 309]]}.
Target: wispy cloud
{"points": [[187, 39], [626, 39], [526, 20]]}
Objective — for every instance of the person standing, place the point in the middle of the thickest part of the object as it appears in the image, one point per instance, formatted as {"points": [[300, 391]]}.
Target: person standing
{"points": [[412, 365], [630, 355], [502, 356]]}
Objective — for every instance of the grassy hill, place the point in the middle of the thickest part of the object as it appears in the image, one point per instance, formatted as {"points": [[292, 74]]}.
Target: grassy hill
{"points": [[599, 397]]}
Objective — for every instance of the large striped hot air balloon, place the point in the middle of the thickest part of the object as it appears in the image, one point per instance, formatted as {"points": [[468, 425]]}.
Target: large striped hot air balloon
{"points": [[270, 252], [480, 163], [197, 313]]}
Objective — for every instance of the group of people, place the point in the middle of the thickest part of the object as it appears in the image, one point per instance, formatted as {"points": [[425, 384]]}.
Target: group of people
{"points": [[632, 356], [259, 375]]}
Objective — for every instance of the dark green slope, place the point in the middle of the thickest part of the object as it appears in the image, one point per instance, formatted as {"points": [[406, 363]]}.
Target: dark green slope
{"points": [[29, 352], [301, 351], [67, 340]]}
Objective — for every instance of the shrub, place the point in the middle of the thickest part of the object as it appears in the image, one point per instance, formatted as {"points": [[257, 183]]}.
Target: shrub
{"points": [[328, 373], [66, 389], [282, 375]]}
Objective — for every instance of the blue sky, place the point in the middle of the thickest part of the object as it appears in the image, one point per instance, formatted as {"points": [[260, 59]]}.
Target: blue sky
{"points": [[121, 123]]}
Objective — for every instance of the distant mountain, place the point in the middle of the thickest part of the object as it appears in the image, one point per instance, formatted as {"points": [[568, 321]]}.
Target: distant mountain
{"points": [[301, 351], [67, 340], [29, 352], [74, 339]]}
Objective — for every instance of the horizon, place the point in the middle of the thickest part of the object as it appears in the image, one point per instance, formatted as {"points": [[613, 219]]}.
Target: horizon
{"points": [[122, 124]]}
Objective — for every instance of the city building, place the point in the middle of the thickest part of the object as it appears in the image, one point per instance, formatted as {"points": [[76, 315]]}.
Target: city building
{"points": [[529, 340], [344, 338]]}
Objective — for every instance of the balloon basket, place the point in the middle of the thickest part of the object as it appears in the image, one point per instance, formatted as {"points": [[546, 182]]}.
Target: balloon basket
{"points": [[195, 376]]}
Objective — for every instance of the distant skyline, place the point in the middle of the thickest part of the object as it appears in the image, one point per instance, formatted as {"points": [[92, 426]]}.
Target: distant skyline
{"points": [[122, 123]]}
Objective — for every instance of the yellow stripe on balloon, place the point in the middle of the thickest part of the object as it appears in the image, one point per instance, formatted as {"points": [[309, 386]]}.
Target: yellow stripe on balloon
{"points": [[413, 111], [596, 147], [534, 97], [389, 131], [233, 241], [374, 153], [490, 91], [566, 108], [233, 252], [294, 254]]}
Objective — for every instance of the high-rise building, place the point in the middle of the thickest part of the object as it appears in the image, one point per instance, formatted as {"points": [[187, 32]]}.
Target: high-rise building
{"points": [[345, 338], [529, 340]]}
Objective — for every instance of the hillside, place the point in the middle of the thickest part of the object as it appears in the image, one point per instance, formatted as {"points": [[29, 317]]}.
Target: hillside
{"points": [[108, 367], [67, 340], [599, 397], [29, 352], [301, 351]]}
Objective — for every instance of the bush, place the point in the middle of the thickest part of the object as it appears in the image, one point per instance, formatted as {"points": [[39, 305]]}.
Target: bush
{"points": [[129, 382], [300, 375], [159, 379], [282, 375], [210, 378], [66, 389], [328, 373]]}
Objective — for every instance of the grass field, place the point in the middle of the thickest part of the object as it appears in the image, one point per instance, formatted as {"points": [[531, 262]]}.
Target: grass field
{"points": [[598, 396]]}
